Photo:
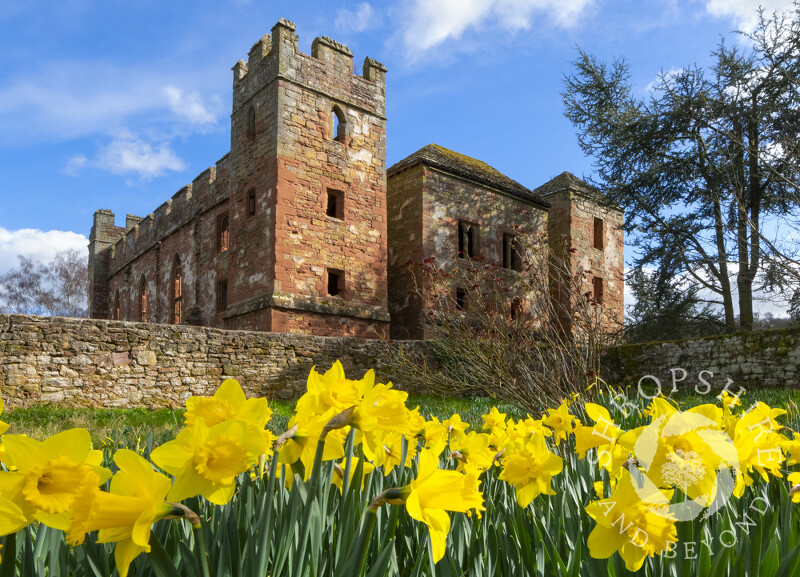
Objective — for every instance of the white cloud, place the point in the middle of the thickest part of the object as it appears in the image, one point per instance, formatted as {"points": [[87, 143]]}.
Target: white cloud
{"points": [[356, 20], [661, 77], [744, 13], [37, 244], [75, 164], [430, 24], [127, 153], [190, 106], [74, 100]]}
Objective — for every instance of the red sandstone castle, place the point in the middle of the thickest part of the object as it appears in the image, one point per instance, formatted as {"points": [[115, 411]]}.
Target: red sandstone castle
{"points": [[302, 228]]}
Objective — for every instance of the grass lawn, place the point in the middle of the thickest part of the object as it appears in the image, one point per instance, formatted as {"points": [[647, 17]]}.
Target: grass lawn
{"points": [[132, 426]]}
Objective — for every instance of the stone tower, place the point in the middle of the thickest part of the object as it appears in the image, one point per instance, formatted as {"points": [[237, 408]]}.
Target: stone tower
{"points": [[288, 231]]}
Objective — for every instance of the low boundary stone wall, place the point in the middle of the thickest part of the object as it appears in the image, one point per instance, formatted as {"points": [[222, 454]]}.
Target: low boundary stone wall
{"points": [[87, 362], [755, 360]]}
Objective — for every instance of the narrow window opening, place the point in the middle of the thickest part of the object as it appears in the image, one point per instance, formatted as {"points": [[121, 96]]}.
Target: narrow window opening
{"points": [[222, 232], [116, 312], [177, 292], [251, 202], [143, 300], [467, 239], [461, 298], [338, 125], [512, 257], [598, 233], [335, 204], [597, 286], [335, 282], [222, 295], [250, 133]]}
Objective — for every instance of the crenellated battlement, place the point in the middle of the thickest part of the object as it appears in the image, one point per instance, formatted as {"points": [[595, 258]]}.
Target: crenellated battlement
{"points": [[142, 233], [329, 69]]}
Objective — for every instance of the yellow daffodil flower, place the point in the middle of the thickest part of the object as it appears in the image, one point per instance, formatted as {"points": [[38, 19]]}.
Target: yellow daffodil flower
{"points": [[473, 449], [436, 491], [529, 467], [125, 513], [206, 460], [49, 476], [794, 481], [635, 524], [494, 419], [560, 421]]}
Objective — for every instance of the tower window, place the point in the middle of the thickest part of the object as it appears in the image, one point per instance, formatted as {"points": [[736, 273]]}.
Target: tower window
{"points": [[338, 127], [222, 295], [177, 292], [251, 202], [335, 204], [143, 300], [597, 287], [598, 233], [115, 314], [512, 257], [335, 282], [461, 298], [250, 132], [468, 239], [222, 232]]}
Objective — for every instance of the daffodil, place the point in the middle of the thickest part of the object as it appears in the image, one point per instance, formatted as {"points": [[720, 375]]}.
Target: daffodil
{"points": [[560, 421], [603, 432], [685, 450], [494, 419], [434, 492], [48, 476], [228, 403], [473, 449], [635, 522], [529, 467], [794, 485], [206, 460], [125, 513]]}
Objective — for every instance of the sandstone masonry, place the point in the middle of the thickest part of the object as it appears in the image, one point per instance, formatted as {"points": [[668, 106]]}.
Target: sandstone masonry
{"points": [[297, 230]]}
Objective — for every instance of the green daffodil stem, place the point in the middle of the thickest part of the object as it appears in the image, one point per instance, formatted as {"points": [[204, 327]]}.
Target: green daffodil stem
{"points": [[200, 548], [263, 552], [372, 514]]}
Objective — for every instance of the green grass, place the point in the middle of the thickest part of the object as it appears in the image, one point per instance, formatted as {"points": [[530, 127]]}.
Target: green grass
{"points": [[163, 424]]}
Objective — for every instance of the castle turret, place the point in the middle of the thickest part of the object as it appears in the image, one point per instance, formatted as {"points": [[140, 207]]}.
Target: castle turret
{"points": [[103, 235]]}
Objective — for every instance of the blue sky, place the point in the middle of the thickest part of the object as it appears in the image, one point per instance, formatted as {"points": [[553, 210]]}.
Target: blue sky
{"points": [[110, 104]]}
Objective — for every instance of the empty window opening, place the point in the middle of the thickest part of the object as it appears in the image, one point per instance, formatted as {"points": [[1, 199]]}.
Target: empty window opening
{"points": [[115, 314], [250, 132], [335, 282], [222, 295], [335, 204], [338, 128], [512, 255], [461, 298], [467, 239], [143, 300], [222, 232], [597, 286], [251, 202], [177, 292], [598, 233]]}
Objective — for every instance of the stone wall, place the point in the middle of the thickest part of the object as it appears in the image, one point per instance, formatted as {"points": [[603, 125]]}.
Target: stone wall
{"points": [[100, 363], [757, 360]]}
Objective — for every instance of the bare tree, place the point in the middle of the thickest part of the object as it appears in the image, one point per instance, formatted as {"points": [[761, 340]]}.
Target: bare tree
{"points": [[58, 288], [531, 336]]}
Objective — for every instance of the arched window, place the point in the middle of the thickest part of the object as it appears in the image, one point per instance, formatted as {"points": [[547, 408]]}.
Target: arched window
{"points": [[251, 124], [177, 291], [223, 235], [338, 127], [115, 312], [143, 300]]}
